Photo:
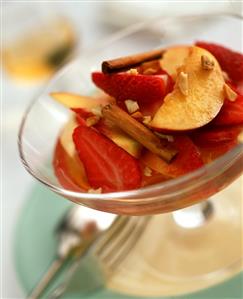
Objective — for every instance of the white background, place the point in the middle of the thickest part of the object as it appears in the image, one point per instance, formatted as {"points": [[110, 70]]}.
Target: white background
{"points": [[93, 20]]}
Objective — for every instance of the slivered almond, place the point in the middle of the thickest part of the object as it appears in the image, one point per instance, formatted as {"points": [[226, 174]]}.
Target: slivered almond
{"points": [[92, 120], [207, 64], [230, 94], [96, 110], [183, 83], [240, 138], [147, 119], [170, 138], [147, 171], [95, 191], [132, 106], [132, 72]]}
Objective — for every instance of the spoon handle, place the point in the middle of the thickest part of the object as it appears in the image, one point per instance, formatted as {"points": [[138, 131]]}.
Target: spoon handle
{"points": [[53, 271]]}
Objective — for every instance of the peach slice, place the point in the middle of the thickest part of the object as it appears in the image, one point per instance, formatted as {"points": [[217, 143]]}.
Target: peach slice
{"points": [[174, 58], [71, 162], [123, 140], [74, 101], [197, 97]]}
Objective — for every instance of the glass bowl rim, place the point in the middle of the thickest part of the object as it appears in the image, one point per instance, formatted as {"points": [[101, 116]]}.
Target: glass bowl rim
{"points": [[208, 168]]}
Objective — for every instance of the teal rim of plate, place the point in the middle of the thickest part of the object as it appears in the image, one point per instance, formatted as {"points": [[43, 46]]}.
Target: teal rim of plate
{"points": [[34, 250]]}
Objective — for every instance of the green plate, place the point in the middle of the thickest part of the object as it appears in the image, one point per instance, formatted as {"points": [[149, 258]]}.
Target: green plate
{"points": [[35, 245]]}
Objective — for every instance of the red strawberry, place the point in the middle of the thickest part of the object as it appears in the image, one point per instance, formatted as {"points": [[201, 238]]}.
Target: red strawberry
{"points": [[147, 90], [231, 113], [187, 159], [218, 136], [211, 152], [229, 60], [213, 143], [239, 87], [107, 165]]}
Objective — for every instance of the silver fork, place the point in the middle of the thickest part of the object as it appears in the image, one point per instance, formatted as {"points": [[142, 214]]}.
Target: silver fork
{"points": [[111, 249]]}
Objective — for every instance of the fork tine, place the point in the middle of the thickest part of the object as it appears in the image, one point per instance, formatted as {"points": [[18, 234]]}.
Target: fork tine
{"points": [[117, 240], [123, 245], [111, 234]]}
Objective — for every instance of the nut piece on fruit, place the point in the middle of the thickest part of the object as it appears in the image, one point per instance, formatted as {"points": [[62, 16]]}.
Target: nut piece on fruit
{"points": [[207, 64], [72, 100], [230, 94], [132, 106], [174, 58], [92, 120], [203, 102], [183, 83]]}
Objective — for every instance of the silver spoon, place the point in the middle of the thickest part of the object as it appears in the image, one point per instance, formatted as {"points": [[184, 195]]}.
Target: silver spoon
{"points": [[76, 232]]}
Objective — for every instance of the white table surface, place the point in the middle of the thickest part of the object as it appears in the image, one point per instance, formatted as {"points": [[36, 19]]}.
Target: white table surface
{"points": [[16, 182]]}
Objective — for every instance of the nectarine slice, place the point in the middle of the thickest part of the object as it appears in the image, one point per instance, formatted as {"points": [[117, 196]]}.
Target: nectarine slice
{"points": [[71, 100], [71, 163], [197, 97], [120, 138], [174, 58]]}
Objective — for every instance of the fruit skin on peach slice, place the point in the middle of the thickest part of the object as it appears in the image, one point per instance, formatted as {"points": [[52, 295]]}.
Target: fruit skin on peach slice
{"points": [[74, 101], [203, 102], [174, 58], [68, 157], [120, 138]]}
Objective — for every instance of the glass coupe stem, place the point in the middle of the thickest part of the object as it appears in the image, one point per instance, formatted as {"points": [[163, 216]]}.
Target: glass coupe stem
{"points": [[194, 216]]}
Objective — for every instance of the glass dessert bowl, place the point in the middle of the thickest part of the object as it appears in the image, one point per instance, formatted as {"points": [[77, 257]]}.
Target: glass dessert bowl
{"points": [[45, 119]]}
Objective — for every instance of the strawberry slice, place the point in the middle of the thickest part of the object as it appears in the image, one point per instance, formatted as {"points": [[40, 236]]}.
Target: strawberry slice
{"points": [[187, 159], [239, 87], [230, 61], [220, 135], [231, 113], [147, 90], [213, 143], [107, 165]]}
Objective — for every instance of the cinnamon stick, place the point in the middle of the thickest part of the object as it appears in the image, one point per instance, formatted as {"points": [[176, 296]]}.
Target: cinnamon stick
{"points": [[139, 132], [127, 62]]}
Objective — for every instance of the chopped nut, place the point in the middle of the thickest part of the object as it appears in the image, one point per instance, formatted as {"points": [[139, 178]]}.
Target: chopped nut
{"points": [[150, 71], [147, 171], [92, 120], [95, 191], [231, 95], [170, 138], [132, 72], [132, 106], [240, 138], [207, 64], [147, 119], [97, 110], [183, 83], [225, 75]]}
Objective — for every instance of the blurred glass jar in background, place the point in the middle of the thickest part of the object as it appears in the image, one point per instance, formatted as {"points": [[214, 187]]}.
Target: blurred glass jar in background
{"points": [[38, 39]]}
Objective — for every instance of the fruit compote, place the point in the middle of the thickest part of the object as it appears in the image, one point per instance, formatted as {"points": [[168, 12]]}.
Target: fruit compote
{"points": [[157, 115]]}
